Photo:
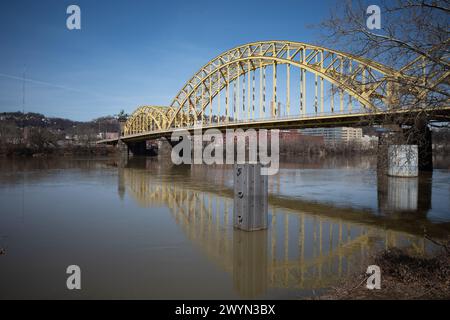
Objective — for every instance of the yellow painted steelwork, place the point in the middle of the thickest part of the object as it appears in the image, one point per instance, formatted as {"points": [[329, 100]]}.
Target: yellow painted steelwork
{"points": [[367, 82], [336, 67], [153, 118]]}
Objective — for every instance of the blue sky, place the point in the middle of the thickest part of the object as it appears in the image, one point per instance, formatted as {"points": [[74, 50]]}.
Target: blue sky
{"points": [[129, 53]]}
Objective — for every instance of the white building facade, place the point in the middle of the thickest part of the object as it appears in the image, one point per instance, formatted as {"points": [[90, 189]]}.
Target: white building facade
{"points": [[335, 135]]}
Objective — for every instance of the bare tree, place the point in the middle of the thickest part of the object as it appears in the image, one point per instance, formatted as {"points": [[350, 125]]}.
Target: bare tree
{"points": [[414, 40], [9, 133], [41, 139]]}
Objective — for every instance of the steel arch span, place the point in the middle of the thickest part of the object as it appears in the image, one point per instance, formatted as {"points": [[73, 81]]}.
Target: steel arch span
{"points": [[268, 80], [152, 118], [348, 73]]}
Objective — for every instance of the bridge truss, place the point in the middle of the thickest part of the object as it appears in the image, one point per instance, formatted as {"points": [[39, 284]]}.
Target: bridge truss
{"points": [[271, 80]]}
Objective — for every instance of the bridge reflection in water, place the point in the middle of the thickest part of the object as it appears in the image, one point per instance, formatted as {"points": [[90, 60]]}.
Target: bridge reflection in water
{"points": [[307, 246]]}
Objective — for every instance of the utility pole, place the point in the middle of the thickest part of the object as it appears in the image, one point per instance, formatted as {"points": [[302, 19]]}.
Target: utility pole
{"points": [[23, 101], [23, 137], [23, 89]]}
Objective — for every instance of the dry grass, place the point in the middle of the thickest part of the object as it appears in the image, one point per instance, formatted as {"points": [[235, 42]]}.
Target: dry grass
{"points": [[402, 277]]}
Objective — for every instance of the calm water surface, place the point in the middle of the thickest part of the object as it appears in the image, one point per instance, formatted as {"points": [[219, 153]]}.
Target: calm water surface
{"points": [[142, 228]]}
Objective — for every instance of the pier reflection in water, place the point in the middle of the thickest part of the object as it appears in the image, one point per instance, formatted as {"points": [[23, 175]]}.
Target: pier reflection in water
{"points": [[309, 245], [397, 194]]}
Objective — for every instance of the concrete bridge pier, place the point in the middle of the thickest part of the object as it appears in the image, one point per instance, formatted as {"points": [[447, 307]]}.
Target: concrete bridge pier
{"points": [[406, 151], [142, 148], [123, 148], [420, 135], [250, 197]]}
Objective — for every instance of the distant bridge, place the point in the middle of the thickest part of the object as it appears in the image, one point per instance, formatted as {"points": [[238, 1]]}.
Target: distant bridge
{"points": [[284, 84]]}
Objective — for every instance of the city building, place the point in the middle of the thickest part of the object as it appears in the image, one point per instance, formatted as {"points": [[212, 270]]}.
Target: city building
{"points": [[335, 135], [292, 136], [107, 135]]}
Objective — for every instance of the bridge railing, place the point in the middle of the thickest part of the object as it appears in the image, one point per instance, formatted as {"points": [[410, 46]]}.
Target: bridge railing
{"points": [[255, 120]]}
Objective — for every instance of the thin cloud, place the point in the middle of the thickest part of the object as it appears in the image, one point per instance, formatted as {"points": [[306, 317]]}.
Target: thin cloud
{"points": [[62, 87]]}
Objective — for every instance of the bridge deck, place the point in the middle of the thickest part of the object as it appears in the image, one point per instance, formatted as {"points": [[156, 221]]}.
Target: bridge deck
{"points": [[356, 118]]}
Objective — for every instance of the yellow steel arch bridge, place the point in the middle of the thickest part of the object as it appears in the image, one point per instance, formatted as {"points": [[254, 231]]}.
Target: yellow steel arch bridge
{"points": [[281, 84]]}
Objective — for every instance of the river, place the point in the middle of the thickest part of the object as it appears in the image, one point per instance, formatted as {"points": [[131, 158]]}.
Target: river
{"points": [[143, 228]]}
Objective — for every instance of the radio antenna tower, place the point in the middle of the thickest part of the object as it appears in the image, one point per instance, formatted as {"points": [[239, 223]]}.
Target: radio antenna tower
{"points": [[23, 89]]}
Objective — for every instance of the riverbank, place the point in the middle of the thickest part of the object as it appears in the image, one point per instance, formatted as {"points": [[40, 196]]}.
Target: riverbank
{"points": [[69, 150], [403, 276]]}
